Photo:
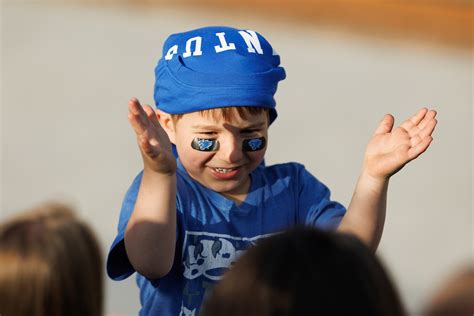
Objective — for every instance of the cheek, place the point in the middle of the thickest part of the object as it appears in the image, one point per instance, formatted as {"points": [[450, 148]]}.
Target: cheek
{"points": [[256, 156], [194, 157]]}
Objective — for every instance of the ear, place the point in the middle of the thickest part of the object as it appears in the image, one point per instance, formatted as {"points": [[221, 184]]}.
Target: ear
{"points": [[167, 124]]}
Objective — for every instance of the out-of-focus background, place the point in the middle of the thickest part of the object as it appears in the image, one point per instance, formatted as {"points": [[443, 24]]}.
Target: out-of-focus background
{"points": [[69, 67]]}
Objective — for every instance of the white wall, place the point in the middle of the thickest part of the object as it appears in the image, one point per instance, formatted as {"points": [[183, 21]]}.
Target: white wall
{"points": [[67, 73]]}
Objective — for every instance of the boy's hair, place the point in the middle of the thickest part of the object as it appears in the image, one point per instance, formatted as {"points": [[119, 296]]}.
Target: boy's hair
{"points": [[228, 113], [305, 271], [50, 265]]}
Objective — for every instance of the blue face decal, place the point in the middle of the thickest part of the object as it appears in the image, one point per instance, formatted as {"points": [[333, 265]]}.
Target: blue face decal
{"points": [[203, 144], [253, 144]]}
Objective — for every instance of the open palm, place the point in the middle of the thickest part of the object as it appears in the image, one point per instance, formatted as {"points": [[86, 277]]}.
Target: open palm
{"points": [[154, 143], [390, 149]]}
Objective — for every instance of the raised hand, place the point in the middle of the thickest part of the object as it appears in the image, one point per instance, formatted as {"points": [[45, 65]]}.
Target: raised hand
{"points": [[389, 150], [154, 143]]}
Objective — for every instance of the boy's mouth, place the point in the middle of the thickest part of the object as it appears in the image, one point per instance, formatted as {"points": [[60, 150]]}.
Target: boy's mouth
{"points": [[225, 173], [224, 170]]}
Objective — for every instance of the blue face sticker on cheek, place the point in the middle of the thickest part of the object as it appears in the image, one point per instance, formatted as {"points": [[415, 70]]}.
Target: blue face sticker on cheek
{"points": [[203, 144], [254, 144]]}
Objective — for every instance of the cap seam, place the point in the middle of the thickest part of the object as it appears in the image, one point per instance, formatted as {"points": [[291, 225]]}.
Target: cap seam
{"points": [[242, 86]]}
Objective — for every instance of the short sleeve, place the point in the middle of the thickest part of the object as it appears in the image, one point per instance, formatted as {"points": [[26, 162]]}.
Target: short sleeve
{"points": [[315, 207], [118, 265]]}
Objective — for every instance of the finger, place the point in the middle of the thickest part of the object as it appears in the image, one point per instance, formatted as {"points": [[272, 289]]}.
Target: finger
{"points": [[428, 128], [135, 108], [428, 117], [137, 125], [427, 120], [414, 120], [148, 110], [425, 127], [420, 148], [385, 125], [151, 115]]}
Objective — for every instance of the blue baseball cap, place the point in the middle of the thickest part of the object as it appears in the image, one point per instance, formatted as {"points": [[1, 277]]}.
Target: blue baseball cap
{"points": [[214, 67]]}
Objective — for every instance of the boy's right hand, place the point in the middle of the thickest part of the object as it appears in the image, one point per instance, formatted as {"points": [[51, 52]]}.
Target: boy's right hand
{"points": [[154, 143]]}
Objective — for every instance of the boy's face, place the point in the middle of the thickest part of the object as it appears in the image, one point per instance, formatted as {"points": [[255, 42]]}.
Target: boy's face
{"points": [[225, 170]]}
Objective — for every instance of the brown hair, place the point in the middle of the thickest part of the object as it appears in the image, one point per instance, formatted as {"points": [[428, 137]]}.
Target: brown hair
{"points": [[304, 271], [50, 265], [228, 113]]}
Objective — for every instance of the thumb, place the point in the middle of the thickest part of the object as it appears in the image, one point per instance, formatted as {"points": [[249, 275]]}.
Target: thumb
{"points": [[385, 125]]}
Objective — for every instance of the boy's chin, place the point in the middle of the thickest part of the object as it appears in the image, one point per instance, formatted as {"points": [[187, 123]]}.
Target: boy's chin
{"points": [[234, 186], [228, 187], [224, 188]]}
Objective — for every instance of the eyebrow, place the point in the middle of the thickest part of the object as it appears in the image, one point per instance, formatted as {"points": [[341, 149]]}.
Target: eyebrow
{"points": [[251, 126]]}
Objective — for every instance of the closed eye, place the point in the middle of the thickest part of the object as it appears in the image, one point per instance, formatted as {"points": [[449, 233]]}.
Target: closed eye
{"points": [[207, 133]]}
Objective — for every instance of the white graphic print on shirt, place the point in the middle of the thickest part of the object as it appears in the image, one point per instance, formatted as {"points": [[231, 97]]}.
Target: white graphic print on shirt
{"points": [[206, 256]]}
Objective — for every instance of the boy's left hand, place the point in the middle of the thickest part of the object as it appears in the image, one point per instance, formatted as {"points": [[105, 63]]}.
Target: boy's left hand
{"points": [[389, 150]]}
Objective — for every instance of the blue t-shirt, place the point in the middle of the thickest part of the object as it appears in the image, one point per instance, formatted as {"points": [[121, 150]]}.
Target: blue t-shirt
{"points": [[212, 231]]}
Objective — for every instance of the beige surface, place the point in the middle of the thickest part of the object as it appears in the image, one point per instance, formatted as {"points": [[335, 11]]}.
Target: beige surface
{"points": [[67, 73]]}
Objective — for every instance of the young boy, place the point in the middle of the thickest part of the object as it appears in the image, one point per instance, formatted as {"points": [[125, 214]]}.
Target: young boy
{"points": [[185, 221]]}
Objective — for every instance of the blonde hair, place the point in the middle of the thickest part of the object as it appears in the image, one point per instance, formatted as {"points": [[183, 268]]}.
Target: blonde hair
{"points": [[228, 113], [50, 265]]}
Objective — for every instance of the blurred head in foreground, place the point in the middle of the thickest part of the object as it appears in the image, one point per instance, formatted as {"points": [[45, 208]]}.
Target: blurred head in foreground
{"points": [[305, 271], [50, 264], [455, 296]]}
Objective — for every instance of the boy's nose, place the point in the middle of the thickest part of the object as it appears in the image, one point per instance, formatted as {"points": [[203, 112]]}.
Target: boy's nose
{"points": [[230, 151]]}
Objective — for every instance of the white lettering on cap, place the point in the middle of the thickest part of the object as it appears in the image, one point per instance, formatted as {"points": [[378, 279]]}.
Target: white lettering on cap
{"points": [[251, 39], [172, 51], [224, 46], [197, 47]]}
